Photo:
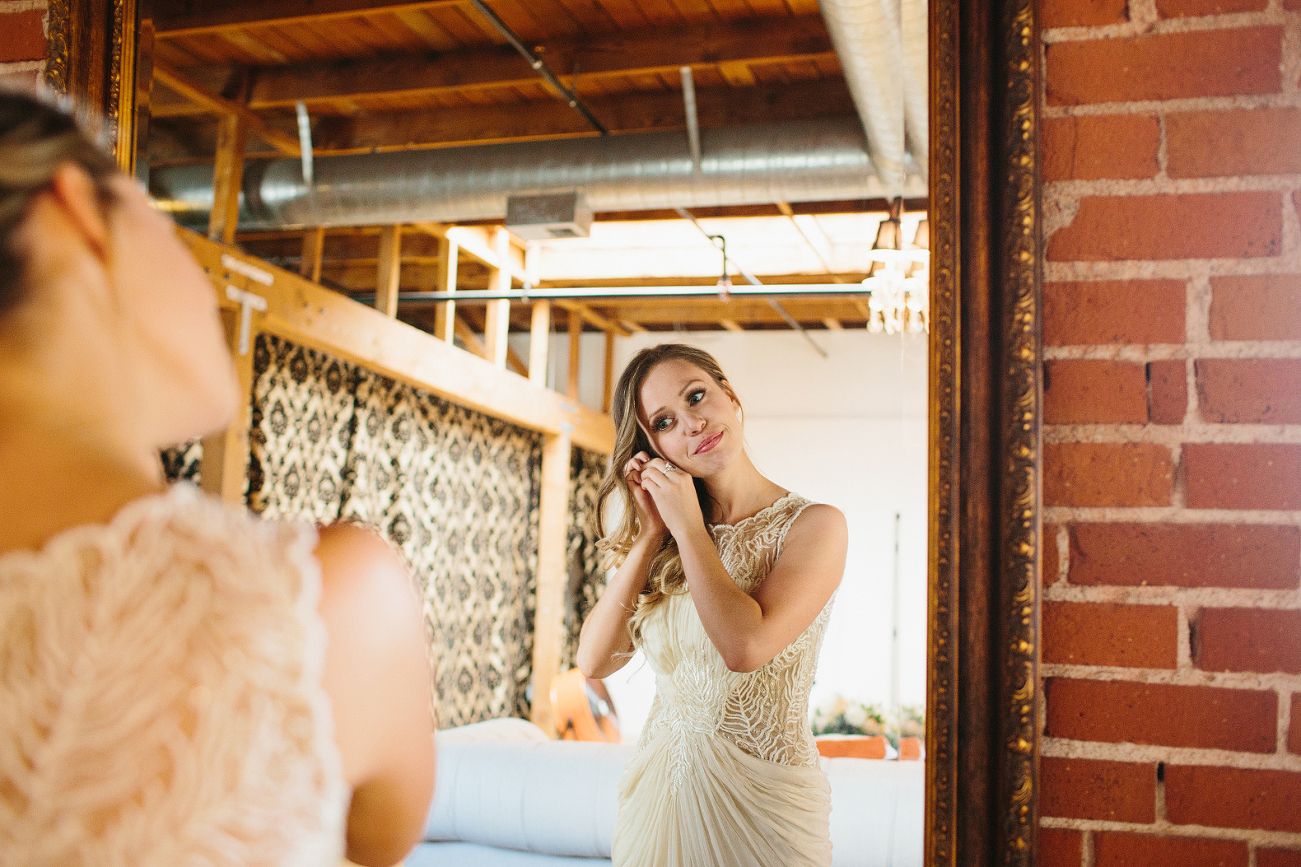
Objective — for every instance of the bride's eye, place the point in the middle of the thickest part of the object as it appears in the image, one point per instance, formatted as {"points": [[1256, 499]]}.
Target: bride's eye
{"points": [[696, 397], [661, 423]]}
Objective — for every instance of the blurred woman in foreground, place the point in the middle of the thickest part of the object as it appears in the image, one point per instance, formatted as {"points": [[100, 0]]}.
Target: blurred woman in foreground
{"points": [[180, 682]]}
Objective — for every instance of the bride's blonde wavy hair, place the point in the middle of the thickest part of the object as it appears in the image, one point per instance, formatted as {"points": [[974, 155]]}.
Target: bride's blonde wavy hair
{"points": [[665, 576]]}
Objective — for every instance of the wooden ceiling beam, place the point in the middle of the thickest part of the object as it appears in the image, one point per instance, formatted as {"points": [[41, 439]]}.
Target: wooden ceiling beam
{"points": [[476, 125], [591, 317], [716, 107], [737, 312], [642, 52], [176, 18], [187, 88]]}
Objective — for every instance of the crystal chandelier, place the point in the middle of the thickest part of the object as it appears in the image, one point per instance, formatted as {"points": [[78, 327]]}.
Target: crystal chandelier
{"points": [[899, 278]]}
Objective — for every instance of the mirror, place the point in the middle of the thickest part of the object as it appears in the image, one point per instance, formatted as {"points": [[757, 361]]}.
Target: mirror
{"points": [[983, 378]]}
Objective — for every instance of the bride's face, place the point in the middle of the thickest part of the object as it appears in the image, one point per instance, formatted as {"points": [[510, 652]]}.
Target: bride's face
{"points": [[690, 419]]}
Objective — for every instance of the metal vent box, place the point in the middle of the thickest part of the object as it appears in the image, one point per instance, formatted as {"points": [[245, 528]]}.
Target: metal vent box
{"points": [[554, 215]]}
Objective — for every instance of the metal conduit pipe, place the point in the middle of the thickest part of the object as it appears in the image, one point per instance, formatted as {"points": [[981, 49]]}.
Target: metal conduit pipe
{"points": [[882, 49], [791, 162]]}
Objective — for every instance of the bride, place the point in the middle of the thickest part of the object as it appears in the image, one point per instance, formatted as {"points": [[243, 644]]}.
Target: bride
{"points": [[724, 581]]}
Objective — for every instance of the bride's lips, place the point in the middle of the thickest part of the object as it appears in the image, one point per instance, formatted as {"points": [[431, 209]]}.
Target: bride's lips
{"points": [[709, 443]]}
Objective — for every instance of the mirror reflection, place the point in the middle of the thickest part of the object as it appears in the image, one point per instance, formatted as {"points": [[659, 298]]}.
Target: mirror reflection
{"points": [[551, 188]]}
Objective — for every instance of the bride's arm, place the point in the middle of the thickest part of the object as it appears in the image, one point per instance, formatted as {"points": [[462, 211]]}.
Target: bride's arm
{"points": [[750, 630], [604, 644]]}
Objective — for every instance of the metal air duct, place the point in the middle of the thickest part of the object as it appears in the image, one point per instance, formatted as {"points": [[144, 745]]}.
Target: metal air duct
{"points": [[790, 162], [882, 49]]}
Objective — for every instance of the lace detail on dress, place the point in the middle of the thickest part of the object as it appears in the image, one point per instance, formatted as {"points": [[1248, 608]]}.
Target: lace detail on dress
{"points": [[160, 695], [763, 712]]}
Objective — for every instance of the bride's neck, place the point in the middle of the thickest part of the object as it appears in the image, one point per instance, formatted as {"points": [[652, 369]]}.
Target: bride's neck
{"points": [[53, 478], [739, 492]]}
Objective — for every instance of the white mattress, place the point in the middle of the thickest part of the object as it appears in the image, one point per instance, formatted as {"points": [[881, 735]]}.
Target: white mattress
{"points": [[501, 788]]}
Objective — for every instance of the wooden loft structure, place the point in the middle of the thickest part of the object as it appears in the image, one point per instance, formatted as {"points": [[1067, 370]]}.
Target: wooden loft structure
{"points": [[228, 80]]}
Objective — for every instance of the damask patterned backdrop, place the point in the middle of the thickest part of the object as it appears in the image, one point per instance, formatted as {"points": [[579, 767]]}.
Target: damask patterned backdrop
{"points": [[455, 491], [586, 577]]}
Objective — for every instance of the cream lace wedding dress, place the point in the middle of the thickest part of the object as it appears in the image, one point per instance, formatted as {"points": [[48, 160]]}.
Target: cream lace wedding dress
{"points": [[160, 695], [726, 772]]}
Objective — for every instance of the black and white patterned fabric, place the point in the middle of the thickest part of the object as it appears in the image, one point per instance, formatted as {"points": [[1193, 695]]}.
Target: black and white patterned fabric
{"points": [[586, 579], [457, 492]]}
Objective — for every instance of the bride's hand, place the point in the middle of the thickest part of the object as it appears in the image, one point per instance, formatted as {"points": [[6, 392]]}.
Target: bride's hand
{"points": [[674, 494], [648, 516]]}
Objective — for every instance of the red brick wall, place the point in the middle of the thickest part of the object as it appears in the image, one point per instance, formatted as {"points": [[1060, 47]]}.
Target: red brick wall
{"points": [[22, 40], [1172, 461]]}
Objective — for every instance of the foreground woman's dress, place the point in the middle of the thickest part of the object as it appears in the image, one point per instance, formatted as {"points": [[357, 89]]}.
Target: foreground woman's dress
{"points": [[160, 695], [726, 771]]}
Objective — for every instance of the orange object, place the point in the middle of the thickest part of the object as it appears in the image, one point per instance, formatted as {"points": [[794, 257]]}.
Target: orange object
{"points": [[911, 749], [853, 747], [582, 709]]}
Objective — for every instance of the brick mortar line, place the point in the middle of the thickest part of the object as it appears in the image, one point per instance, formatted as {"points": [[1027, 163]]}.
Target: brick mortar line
{"points": [[1167, 269], [1249, 836], [1160, 185], [1209, 350], [1199, 433], [1186, 599], [1124, 752], [1166, 515], [16, 66], [1176, 105], [1283, 684], [1165, 26]]}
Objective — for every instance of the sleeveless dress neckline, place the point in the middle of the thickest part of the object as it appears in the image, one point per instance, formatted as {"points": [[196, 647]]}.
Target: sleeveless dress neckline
{"points": [[768, 508]]}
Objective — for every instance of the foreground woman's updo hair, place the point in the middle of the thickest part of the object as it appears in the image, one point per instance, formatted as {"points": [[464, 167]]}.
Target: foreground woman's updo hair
{"points": [[35, 139], [666, 575]]}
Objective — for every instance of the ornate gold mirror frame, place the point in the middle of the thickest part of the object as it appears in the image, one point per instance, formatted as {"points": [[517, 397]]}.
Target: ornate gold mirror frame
{"points": [[983, 683], [983, 679]]}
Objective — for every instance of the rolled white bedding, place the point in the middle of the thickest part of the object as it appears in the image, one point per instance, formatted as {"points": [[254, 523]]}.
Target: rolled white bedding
{"points": [[504, 784]]}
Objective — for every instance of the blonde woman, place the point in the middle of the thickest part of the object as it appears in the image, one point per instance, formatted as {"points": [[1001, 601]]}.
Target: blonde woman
{"points": [[180, 683], [724, 581]]}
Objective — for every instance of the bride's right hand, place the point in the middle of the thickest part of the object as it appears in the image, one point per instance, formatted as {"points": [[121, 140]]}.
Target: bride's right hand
{"points": [[648, 517]]}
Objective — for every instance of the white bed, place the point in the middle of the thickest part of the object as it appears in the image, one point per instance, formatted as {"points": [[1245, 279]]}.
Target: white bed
{"points": [[507, 796]]}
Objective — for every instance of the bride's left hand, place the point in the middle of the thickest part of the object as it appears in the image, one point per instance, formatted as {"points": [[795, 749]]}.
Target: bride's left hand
{"points": [[674, 493]]}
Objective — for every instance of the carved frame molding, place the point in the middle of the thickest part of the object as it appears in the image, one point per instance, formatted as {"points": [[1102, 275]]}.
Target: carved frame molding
{"points": [[983, 690], [91, 55]]}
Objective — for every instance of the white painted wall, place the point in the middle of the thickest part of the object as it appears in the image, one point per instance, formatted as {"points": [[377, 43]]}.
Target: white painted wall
{"points": [[849, 430]]}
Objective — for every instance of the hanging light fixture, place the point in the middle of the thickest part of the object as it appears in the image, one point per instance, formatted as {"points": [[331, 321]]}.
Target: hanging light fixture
{"points": [[898, 278]]}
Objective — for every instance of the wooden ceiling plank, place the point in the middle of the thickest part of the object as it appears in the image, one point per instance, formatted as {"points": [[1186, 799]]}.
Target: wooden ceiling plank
{"points": [[590, 15], [625, 14], [733, 46], [388, 32], [420, 23], [175, 18], [253, 52], [730, 325], [456, 20]]}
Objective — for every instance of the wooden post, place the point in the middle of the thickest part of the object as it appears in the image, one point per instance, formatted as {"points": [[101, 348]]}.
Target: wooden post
{"points": [[389, 270], [608, 392], [309, 265], [540, 342], [553, 571], [445, 314], [224, 470], [227, 177], [496, 326], [575, 350]]}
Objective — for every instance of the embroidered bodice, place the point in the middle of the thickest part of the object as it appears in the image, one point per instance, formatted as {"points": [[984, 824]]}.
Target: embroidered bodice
{"points": [[763, 712], [160, 695]]}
